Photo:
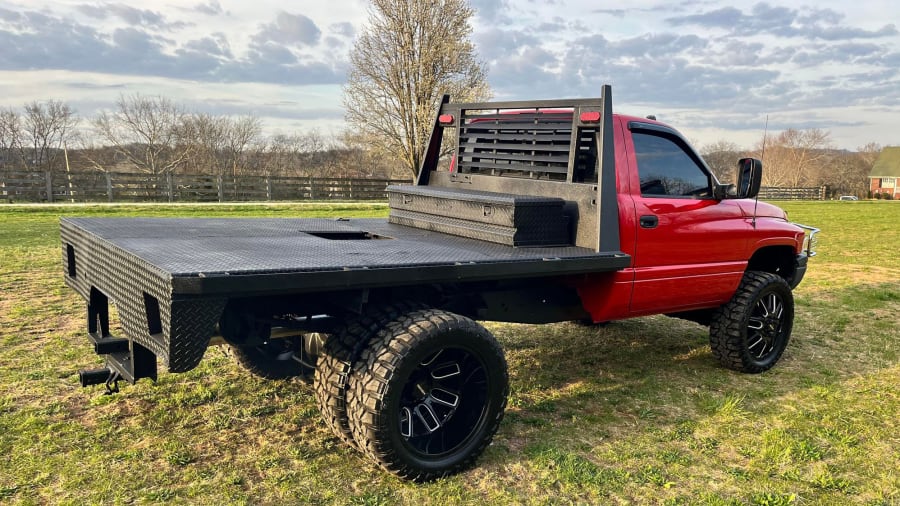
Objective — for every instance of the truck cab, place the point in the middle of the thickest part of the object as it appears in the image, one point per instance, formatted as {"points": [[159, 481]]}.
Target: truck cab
{"points": [[690, 238]]}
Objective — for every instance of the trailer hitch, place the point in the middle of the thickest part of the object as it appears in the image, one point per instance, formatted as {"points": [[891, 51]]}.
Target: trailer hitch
{"points": [[105, 375], [126, 360]]}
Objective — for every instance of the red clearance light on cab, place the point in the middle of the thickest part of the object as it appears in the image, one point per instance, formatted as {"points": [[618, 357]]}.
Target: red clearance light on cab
{"points": [[445, 119], [590, 117]]}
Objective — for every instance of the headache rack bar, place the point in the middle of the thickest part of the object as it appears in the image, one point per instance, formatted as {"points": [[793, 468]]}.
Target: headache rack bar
{"points": [[562, 141]]}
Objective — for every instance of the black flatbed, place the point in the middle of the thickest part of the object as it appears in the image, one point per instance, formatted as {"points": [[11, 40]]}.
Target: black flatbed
{"points": [[247, 256]]}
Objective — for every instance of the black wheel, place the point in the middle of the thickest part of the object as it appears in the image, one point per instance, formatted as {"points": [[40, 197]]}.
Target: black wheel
{"points": [[336, 360], [428, 394], [281, 358], [750, 332]]}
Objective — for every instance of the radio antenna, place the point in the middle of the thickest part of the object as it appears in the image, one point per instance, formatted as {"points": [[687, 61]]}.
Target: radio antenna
{"points": [[762, 157]]}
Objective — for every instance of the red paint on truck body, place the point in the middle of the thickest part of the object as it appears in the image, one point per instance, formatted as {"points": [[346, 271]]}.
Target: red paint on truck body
{"points": [[696, 255]]}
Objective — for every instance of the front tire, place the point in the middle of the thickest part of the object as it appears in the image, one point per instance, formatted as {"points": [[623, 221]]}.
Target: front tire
{"points": [[428, 394], [750, 333]]}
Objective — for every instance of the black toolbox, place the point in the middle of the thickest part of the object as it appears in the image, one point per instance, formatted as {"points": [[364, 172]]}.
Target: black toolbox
{"points": [[512, 220]]}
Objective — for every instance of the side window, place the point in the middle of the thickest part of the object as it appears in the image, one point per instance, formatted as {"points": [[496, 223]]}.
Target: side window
{"points": [[667, 170]]}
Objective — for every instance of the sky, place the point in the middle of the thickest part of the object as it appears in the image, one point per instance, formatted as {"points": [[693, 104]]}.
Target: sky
{"points": [[713, 69]]}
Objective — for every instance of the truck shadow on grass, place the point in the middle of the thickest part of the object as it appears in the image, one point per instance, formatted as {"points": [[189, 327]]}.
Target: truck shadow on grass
{"points": [[648, 357], [634, 407]]}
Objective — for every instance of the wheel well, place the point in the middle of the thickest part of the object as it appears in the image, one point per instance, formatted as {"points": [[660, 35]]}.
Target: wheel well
{"points": [[775, 259]]}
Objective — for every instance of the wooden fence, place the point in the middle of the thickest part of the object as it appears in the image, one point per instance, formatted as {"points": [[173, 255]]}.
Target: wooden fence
{"points": [[773, 193], [38, 186]]}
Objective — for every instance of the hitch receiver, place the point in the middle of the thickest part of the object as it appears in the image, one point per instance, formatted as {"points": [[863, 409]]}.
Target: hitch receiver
{"points": [[89, 377], [125, 359]]}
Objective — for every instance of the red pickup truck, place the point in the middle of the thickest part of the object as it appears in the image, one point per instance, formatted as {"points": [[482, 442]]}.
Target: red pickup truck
{"points": [[552, 211]]}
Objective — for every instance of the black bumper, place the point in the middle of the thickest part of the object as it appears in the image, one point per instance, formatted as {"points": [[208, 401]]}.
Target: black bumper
{"points": [[799, 269]]}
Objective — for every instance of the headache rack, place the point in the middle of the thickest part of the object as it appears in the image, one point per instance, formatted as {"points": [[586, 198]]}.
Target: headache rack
{"points": [[536, 148], [536, 143]]}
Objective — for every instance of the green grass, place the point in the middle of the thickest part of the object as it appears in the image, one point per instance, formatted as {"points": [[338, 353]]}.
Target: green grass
{"points": [[634, 412]]}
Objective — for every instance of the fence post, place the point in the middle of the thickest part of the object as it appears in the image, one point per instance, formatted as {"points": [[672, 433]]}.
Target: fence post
{"points": [[169, 186], [49, 177], [109, 187], [268, 188], [221, 190]]}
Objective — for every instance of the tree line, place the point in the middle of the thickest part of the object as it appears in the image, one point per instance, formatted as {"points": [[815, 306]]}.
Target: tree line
{"points": [[153, 135], [799, 158]]}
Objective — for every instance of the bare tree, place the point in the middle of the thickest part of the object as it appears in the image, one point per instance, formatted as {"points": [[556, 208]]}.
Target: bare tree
{"points": [[793, 157], [412, 53], [206, 136], [868, 154], [217, 144], [847, 173], [722, 157], [358, 160], [280, 155], [10, 138], [242, 134], [148, 132], [47, 127], [91, 154]]}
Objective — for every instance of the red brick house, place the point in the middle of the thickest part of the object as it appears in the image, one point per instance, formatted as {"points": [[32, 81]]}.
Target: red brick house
{"points": [[885, 175]]}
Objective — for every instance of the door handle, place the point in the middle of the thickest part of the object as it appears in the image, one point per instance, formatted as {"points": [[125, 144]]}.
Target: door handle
{"points": [[649, 221]]}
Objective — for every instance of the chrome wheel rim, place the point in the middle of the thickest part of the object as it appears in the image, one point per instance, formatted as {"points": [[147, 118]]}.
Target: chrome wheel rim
{"points": [[443, 403], [766, 325]]}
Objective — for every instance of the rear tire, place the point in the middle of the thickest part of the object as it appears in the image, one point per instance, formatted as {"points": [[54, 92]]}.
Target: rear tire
{"points": [[428, 394], [750, 333], [337, 358]]}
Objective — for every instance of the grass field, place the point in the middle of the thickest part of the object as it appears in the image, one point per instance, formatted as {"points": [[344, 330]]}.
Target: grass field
{"points": [[634, 412]]}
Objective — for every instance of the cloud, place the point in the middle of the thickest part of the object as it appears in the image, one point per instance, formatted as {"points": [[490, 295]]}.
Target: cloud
{"points": [[846, 53], [36, 40], [213, 45], [808, 23], [131, 15], [289, 29], [658, 45], [210, 8], [339, 37], [810, 60], [726, 17], [496, 43], [95, 86], [342, 29], [491, 11], [618, 13], [283, 109]]}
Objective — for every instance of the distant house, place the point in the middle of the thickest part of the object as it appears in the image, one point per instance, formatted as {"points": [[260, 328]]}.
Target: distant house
{"points": [[885, 175]]}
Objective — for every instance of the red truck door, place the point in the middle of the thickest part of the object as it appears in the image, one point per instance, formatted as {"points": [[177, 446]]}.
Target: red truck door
{"points": [[690, 247]]}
